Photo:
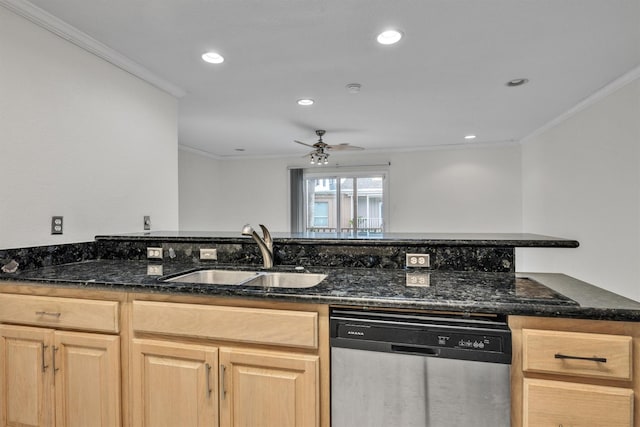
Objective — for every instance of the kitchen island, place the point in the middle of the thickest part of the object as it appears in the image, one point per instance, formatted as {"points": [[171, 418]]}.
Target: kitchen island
{"points": [[119, 304]]}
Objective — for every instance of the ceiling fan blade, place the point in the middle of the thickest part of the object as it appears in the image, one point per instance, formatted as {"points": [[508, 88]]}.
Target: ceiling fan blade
{"points": [[303, 143], [344, 147]]}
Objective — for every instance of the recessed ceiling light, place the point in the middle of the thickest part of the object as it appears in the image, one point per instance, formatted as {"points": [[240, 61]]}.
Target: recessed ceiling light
{"points": [[213, 58], [389, 37], [305, 102], [517, 82], [353, 87], [470, 137]]}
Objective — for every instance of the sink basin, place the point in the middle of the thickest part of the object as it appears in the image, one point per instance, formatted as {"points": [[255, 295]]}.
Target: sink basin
{"points": [[214, 277], [286, 280], [250, 278]]}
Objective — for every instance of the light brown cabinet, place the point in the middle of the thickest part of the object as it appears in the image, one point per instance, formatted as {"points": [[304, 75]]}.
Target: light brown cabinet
{"points": [[61, 378], [564, 403], [54, 377], [224, 366], [174, 384], [268, 389], [574, 372]]}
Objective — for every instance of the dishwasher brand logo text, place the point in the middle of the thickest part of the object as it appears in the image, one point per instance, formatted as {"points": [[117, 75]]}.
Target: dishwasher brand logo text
{"points": [[358, 333]]}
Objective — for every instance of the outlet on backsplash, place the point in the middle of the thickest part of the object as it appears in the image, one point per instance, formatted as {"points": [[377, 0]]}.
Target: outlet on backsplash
{"points": [[208, 254], [154, 253], [417, 260]]}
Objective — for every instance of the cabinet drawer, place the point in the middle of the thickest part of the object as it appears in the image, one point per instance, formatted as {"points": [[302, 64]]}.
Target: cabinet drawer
{"points": [[580, 354], [250, 325], [70, 313], [556, 403]]}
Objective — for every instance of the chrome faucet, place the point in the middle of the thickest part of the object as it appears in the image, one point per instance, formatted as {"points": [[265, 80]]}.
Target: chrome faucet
{"points": [[265, 243]]}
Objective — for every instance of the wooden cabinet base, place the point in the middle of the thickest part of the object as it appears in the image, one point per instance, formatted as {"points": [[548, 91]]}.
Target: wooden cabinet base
{"points": [[558, 403], [574, 372]]}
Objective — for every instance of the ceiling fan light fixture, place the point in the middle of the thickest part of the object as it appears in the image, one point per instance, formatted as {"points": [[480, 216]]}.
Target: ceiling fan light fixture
{"points": [[212, 58], [389, 37], [305, 102], [319, 158]]}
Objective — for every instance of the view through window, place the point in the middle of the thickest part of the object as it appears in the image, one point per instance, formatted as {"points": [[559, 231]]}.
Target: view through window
{"points": [[339, 204]]}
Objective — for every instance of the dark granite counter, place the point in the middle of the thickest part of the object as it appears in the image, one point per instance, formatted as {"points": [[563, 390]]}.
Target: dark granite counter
{"points": [[507, 240], [537, 294]]}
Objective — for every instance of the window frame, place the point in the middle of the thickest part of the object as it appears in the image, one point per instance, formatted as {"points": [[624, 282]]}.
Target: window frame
{"points": [[350, 173]]}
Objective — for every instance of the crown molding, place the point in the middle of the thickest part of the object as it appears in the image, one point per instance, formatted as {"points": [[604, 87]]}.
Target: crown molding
{"points": [[601, 93], [198, 151], [60, 28]]}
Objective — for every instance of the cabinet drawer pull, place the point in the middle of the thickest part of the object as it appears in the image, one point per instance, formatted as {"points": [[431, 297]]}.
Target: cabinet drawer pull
{"points": [[55, 349], [223, 386], [44, 367], [593, 359], [48, 313], [208, 380]]}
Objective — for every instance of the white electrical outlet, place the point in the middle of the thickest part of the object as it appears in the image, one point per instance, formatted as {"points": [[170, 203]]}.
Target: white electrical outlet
{"points": [[208, 253], [154, 270], [418, 260], [154, 253], [56, 224], [418, 279]]}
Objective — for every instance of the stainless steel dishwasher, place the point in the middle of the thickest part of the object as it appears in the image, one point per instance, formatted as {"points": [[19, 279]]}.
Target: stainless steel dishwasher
{"points": [[402, 369]]}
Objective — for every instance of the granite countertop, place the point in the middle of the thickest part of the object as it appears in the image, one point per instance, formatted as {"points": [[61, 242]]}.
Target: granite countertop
{"points": [[537, 294], [511, 240]]}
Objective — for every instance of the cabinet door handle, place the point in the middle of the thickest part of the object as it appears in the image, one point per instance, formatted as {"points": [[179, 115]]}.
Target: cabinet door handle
{"points": [[208, 379], [48, 313], [223, 386], [44, 367], [55, 349], [592, 359]]}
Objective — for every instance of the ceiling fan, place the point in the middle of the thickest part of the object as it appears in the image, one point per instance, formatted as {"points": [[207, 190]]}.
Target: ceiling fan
{"points": [[320, 153]]}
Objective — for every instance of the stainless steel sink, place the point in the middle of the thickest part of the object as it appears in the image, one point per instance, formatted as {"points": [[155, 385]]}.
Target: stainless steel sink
{"points": [[286, 280], [214, 277], [250, 278]]}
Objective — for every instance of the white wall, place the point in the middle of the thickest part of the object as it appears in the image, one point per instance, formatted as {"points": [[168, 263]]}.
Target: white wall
{"points": [[582, 181], [79, 138], [453, 190], [457, 190], [199, 188]]}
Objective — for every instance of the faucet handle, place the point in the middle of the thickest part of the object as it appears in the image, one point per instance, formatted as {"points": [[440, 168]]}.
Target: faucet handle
{"points": [[266, 236]]}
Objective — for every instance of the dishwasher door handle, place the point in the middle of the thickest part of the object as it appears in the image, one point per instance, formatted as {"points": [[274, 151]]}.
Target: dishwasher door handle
{"points": [[422, 351]]}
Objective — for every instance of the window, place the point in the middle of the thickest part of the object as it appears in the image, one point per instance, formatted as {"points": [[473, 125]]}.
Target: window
{"points": [[334, 202], [321, 214]]}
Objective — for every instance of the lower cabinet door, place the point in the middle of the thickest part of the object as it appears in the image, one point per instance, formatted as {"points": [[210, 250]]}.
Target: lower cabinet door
{"points": [[174, 384], [87, 379], [268, 389], [26, 392], [557, 403]]}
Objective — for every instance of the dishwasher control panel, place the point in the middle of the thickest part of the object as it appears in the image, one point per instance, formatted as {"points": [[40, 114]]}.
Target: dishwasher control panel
{"points": [[425, 335]]}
